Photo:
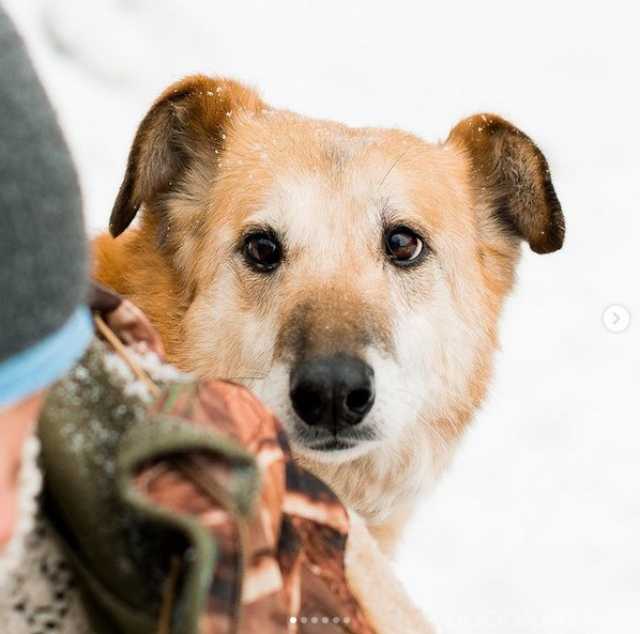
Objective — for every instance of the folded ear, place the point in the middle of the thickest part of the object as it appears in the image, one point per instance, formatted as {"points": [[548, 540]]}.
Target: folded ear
{"points": [[511, 178], [191, 115]]}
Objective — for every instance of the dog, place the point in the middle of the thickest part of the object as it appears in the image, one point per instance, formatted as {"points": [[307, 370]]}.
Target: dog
{"points": [[352, 278]]}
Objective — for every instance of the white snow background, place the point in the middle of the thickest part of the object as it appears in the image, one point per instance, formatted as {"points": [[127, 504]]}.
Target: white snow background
{"points": [[535, 528]]}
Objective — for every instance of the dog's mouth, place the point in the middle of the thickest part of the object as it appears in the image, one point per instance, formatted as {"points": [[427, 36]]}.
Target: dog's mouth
{"points": [[327, 446], [333, 444]]}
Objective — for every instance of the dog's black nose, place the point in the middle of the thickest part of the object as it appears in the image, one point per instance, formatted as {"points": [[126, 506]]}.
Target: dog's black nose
{"points": [[332, 392]]}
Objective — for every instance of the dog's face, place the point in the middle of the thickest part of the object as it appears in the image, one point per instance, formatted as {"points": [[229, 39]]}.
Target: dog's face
{"points": [[352, 278], [333, 279]]}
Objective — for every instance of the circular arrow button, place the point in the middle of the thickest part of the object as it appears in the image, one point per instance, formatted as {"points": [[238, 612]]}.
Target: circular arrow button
{"points": [[616, 318]]}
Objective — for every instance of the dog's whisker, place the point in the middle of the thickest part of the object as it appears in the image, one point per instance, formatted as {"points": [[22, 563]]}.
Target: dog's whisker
{"points": [[439, 437], [393, 166], [243, 375]]}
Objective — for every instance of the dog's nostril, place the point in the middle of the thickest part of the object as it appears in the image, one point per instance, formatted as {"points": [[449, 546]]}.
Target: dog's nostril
{"points": [[359, 400], [308, 402]]}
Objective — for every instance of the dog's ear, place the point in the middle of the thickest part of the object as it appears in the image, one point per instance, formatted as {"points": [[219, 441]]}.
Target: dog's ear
{"points": [[191, 115], [511, 178]]}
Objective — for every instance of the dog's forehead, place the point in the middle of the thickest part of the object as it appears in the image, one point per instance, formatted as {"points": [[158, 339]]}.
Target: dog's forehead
{"points": [[311, 207], [319, 175]]}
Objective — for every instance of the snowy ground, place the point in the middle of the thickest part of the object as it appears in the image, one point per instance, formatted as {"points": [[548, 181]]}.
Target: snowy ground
{"points": [[535, 528]]}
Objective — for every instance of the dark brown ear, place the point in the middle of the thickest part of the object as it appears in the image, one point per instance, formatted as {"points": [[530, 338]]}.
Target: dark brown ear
{"points": [[511, 176], [191, 114]]}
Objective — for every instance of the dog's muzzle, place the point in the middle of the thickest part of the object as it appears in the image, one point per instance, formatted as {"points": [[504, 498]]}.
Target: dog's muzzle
{"points": [[332, 394]]}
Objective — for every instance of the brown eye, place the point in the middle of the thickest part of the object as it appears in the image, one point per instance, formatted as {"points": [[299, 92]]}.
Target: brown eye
{"points": [[262, 251], [403, 245]]}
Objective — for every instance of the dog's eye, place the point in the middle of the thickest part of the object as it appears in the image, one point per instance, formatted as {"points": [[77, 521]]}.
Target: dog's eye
{"points": [[262, 251], [403, 245]]}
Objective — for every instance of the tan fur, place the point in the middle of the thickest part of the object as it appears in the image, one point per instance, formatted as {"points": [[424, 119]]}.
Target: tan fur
{"points": [[211, 158], [388, 607]]}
